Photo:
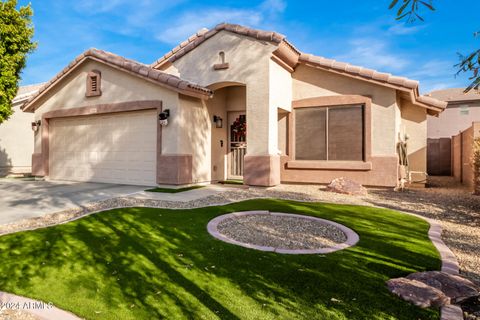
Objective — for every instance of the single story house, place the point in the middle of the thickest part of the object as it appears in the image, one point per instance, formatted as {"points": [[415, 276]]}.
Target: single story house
{"points": [[16, 137], [227, 103]]}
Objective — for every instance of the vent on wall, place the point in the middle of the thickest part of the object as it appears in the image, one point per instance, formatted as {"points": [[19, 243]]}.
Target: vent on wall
{"points": [[93, 84]]}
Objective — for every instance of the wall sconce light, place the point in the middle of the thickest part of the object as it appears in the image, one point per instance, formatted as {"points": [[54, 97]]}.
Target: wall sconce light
{"points": [[36, 125], [163, 117], [218, 121]]}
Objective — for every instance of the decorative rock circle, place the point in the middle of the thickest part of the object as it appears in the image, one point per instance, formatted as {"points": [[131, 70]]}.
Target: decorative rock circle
{"points": [[282, 232]]}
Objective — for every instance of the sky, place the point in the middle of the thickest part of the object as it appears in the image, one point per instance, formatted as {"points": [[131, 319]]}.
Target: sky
{"points": [[360, 32]]}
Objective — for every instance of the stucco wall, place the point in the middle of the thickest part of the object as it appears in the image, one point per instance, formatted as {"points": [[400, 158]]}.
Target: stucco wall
{"points": [[249, 63], [16, 143], [451, 121], [194, 127], [117, 86], [414, 124], [216, 106], [236, 98], [310, 82]]}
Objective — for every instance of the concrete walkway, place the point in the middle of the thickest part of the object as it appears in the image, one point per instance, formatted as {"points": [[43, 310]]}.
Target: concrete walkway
{"points": [[40, 309], [27, 199], [185, 196]]}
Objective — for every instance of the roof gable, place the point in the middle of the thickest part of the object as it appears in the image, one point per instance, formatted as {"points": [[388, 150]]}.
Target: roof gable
{"points": [[205, 34], [129, 66]]}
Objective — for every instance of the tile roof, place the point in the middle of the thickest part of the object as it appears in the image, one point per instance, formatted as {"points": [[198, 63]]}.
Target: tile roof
{"points": [[370, 75], [358, 71], [374, 76], [204, 34], [131, 66], [454, 95], [25, 92]]}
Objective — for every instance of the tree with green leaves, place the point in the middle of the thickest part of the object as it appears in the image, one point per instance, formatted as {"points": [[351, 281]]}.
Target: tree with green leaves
{"points": [[409, 10], [16, 32]]}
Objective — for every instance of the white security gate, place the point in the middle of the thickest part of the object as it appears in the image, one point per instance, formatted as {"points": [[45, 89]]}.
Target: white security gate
{"points": [[111, 148]]}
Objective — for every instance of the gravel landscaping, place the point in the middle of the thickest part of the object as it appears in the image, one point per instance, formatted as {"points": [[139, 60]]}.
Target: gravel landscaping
{"points": [[282, 232]]}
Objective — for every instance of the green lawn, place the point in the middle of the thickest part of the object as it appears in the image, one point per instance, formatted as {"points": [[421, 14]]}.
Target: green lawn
{"points": [[171, 190], [143, 263]]}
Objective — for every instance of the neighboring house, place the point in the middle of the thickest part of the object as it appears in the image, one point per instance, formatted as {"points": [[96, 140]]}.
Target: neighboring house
{"points": [[16, 136], [242, 103], [461, 111]]}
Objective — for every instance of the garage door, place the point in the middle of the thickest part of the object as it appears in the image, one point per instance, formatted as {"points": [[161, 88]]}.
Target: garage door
{"points": [[112, 148]]}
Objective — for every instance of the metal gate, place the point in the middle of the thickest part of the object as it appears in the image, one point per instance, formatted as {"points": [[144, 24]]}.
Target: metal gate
{"points": [[237, 123]]}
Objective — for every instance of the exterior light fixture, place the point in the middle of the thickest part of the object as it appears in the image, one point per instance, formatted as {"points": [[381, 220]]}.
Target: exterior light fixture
{"points": [[163, 117], [218, 121], [36, 125]]}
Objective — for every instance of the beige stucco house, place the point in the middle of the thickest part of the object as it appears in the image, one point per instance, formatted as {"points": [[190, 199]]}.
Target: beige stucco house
{"points": [[16, 143], [234, 102], [462, 109]]}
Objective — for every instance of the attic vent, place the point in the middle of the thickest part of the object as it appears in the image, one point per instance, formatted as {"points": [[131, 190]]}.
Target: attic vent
{"points": [[223, 64], [93, 84]]}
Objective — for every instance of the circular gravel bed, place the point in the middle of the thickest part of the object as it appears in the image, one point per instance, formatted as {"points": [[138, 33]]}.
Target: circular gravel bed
{"points": [[282, 232]]}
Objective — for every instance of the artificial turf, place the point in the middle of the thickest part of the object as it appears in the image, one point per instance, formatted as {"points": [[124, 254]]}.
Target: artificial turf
{"points": [[141, 263], [172, 190]]}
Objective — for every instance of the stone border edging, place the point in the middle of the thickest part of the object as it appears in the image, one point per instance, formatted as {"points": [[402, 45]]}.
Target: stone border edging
{"points": [[352, 236], [449, 263], [37, 308]]}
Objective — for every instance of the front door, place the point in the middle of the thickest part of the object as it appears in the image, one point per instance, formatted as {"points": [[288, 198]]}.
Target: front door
{"points": [[237, 143]]}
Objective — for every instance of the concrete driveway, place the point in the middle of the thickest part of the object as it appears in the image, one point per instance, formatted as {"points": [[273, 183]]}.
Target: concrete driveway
{"points": [[26, 199]]}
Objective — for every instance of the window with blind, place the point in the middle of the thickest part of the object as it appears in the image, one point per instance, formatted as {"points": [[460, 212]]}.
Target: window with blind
{"points": [[330, 133]]}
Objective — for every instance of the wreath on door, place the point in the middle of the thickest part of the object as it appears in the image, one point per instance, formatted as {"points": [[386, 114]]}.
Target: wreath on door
{"points": [[239, 129]]}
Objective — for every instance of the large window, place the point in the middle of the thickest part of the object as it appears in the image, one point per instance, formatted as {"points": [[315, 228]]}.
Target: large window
{"points": [[330, 133]]}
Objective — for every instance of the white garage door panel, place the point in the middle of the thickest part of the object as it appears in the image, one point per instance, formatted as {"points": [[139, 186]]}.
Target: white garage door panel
{"points": [[114, 148]]}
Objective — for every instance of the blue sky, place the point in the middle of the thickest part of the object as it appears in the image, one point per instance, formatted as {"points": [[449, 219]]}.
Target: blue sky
{"points": [[359, 32]]}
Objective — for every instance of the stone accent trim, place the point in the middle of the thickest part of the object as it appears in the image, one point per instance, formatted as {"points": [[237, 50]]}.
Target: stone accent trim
{"points": [[43, 313], [449, 263], [174, 169], [91, 110], [352, 237], [261, 170]]}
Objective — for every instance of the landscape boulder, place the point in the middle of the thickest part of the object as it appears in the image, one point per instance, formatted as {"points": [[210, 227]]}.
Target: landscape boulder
{"points": [[347, 186], [418, 293], [455, 287]]}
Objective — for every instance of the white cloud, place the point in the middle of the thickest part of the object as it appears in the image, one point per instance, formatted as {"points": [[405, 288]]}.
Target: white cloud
{"points": [[373, 53], [402, 29], [190, 22]]}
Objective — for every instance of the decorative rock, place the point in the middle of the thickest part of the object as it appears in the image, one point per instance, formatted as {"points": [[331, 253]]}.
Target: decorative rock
{"points": [[455, 287], [347, 186], [418, 293]]}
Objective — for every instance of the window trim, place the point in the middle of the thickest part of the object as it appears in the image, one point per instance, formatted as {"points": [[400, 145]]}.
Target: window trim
{"points": [[330, 101]]}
